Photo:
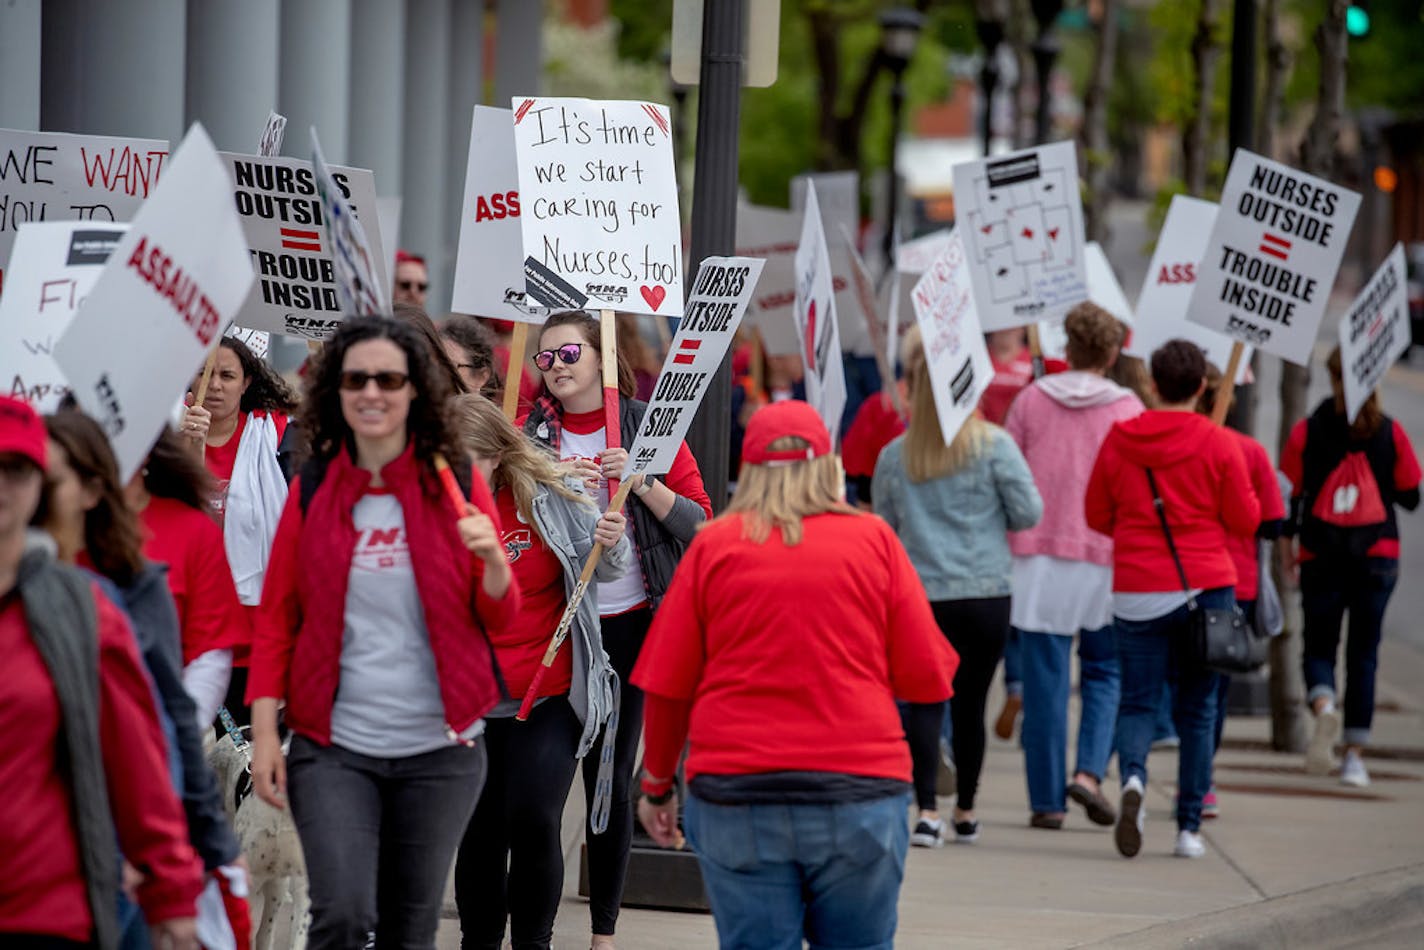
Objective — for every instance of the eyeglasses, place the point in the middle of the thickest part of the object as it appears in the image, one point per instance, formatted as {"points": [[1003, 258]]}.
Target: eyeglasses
{"points": [[355, 380], [568, 353], [419, 285]]}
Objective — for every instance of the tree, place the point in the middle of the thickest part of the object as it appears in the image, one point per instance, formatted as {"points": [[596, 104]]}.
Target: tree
{"points": [[1197, 137], [1097, 157]]}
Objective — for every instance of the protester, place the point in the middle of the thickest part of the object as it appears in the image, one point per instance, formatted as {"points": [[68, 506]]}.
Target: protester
{"points": [[372, 629], [1347, 478], [951, 506], [417, 319], [470, 346], [173, 496], [664, 513], [1206, 497], [1062, 573], [511, 862], [412, 279], [1245, 551], [83, 754], [84, 510], [241, 431], [761, 657]]}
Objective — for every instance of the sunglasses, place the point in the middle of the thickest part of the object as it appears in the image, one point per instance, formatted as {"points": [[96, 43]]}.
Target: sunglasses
{"points": [[569, 353], [419, 285], [355, 380]]}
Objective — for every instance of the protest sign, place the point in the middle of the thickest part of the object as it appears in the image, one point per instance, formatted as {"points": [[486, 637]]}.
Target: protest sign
{"points": [[270, 143], [598, 205], [1171, 276], [47, 176], [864, 294], [1021, 222], [955, 355], [838, 194], [358, 261], [388, 217], [816, 329], [171, 285], [1274, 251], [1374, 331], [53, 266], [709, 322], [771, 234], [1103, 290], [258, 341], [489, 263], [916, 256], [282, 218]]}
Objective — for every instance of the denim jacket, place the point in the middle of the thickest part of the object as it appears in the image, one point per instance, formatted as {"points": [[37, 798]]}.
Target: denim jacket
{"points": [[955, 527], [567, 528]]}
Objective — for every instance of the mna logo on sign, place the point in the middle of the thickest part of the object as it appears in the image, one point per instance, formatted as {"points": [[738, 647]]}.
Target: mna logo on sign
{"points": [[689, 351], [296, 239]]}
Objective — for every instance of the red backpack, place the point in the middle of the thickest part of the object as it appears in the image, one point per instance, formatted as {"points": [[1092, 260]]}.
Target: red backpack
{"points": [[1347, 487]]}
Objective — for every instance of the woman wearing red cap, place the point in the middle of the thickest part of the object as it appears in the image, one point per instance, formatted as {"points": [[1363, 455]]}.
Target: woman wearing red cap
{"points": [[791, 627]]}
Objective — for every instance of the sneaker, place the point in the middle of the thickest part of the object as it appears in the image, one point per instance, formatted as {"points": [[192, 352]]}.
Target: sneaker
{"points": [[1210, 808], [1352, 771], [929, 833], [945, 777], [1130, 818], [966, 832], [1008, 716], [1320, 754], [1053, 821], [1189, 845], [1099, 809], [1166, 742]]}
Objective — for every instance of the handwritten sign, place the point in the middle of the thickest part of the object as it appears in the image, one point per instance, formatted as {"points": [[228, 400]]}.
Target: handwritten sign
{"points": [[1374, 331], [1274, 251], [171, 285], [1103, 290], [489, 264], [357, 259], [47, 176], [816, 328], [709, 322], [955, 355], [598, 202], [53, 266], [838, 194], [1021, 222], [772, 235]]}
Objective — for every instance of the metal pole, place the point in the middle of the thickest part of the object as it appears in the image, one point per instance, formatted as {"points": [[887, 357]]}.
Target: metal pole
{"points": [[892, 188], [1045, 54], [991, 34], [714, 215]]}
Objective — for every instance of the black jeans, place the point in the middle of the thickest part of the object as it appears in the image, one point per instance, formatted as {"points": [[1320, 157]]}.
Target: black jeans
{"points": [[511, 861], [976, 627], [1328, 591], [608, 852], [379, 836]]}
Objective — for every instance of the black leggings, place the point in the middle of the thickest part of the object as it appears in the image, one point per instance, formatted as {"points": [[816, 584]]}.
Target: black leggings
{"points": [[977, 629], [608, 852], [511, 860]]}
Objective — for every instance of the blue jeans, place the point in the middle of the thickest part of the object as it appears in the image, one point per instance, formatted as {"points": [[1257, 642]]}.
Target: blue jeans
{"points": [[780, 874], [1013, 664], [1151, 653], [1327, 592], [1047, 681]]}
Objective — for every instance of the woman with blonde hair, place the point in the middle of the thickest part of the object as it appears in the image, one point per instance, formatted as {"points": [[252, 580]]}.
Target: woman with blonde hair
{"points": [[510, 864], [952, 505], [789, 630]]}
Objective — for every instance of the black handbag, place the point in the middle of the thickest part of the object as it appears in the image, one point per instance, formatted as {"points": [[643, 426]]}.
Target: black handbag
{"points": [[1218, 638]]}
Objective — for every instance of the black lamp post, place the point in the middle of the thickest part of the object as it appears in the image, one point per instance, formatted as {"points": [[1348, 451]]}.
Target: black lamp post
{"points": [[1045, 54], [899, 32], [991, 34]]}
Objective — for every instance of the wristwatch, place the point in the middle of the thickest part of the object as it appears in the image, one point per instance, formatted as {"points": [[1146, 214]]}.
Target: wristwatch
{"points": [[648, 482]]}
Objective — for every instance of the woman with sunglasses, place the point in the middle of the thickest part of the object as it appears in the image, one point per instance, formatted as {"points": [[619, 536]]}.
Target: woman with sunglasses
{"points": [[511, 863], [663, 515], [372, 629]]}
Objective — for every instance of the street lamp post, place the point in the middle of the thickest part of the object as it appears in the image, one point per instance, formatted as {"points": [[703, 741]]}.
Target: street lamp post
{"points": [[1045, 54], [899, 32], [991, 34]]}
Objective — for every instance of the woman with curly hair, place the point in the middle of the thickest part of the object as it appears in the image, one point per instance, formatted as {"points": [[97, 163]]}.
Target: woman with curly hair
{"points": [[373, 630]]}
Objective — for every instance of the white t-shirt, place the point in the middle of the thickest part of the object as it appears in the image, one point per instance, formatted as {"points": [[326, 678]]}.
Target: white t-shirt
{"points": [[627, 592], [1057, 595], [388, 702]]}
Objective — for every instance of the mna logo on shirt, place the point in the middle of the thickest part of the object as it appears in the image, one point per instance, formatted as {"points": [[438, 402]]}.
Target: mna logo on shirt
{"points": [[516, 542]]}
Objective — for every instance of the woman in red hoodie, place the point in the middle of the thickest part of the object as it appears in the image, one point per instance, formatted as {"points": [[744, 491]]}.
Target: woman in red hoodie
{"points": [[1206, 496], [792, 625], [372, 628]]}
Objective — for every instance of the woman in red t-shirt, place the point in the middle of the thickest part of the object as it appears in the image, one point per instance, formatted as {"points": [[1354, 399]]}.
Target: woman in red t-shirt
{"points": [[511, 864]]}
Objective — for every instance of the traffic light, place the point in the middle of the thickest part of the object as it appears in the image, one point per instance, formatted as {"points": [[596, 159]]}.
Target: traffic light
{"points": [[1357, 20]]}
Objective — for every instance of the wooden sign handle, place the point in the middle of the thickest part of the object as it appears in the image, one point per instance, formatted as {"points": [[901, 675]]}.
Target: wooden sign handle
{"points": [[1227, 385], [201, 392], [613, 436], [517, 347]]}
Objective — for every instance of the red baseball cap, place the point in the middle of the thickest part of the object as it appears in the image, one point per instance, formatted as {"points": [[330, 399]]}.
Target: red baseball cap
{"points": [[22, 432], [792, 417]]}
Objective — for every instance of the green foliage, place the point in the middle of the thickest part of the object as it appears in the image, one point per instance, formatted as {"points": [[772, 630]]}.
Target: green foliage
{"points": [[1386, 68]]}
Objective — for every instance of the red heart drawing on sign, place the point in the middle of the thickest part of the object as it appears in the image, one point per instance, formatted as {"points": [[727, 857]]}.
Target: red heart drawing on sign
{"points": [[654, 296], [811, 336], [986, 228]]}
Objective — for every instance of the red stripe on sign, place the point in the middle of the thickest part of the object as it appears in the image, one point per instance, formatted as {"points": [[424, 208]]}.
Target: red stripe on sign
{"points": [[523, 110], [1273, 252], [297, 233], [657, 117], [683, 358], [689, 344], [301, 246], [1271, 238]]}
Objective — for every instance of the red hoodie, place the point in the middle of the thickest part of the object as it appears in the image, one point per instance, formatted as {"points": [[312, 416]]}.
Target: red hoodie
{"points": [[1205, 488]]}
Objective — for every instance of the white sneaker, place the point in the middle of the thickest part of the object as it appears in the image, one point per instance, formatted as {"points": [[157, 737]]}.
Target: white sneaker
{"points": [[1352, 771], [1189, 845], [1320, 754], [1131, 817]]}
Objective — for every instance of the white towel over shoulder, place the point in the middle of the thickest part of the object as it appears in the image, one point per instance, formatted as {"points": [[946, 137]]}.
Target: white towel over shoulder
{"points": [[255, 498]]}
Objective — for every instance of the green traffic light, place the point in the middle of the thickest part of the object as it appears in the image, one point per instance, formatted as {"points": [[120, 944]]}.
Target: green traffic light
{"points": [[1357, 20]]}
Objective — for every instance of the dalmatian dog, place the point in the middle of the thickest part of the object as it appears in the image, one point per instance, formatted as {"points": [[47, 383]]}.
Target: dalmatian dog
{"points": [[268, 838]]}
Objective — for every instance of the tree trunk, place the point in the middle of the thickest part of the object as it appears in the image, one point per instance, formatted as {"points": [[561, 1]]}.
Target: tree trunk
{"points": [[1020, 37], [1097, 155], [1206, 48], [1278, 66]]}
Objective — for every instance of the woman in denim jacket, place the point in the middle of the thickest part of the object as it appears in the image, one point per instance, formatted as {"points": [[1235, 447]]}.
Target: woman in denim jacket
{"points": [[952, 506]]}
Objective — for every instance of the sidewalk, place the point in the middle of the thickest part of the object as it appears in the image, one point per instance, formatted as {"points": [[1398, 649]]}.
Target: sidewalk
{"points": [[1293, 860]]}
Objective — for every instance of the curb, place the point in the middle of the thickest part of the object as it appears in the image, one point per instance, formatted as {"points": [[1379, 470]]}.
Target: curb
{"points": [[1337, 914]]}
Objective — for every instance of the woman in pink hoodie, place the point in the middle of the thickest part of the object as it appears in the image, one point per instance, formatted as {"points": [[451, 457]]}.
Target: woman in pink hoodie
{"points": [[1062, 577]]}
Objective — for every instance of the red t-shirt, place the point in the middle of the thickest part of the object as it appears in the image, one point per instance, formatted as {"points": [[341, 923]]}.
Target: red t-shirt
{"points": [[221, 459], [1245, 550], [793, 657], [520, 645], [875, 426], [191, 544], [1010, 377]]}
